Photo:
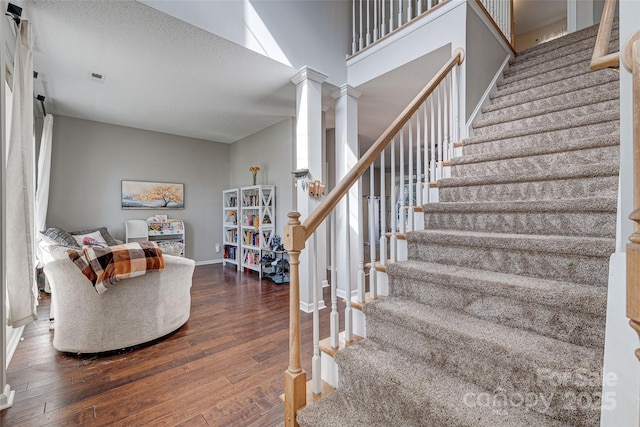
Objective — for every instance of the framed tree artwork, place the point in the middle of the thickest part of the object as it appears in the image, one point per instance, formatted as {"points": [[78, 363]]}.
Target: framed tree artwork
{"points": [[152, 195]]}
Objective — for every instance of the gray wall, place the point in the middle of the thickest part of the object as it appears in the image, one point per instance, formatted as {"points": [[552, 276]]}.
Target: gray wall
{"points": [[272, 150], [484, 56], [89, 159]]}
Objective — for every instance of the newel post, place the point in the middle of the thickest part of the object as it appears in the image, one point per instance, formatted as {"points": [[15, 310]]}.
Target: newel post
{"points": [[295, 378]]}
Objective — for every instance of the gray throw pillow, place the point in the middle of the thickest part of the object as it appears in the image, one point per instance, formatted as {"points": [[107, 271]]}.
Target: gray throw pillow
{"points": [[61, 237], [103, 231]]}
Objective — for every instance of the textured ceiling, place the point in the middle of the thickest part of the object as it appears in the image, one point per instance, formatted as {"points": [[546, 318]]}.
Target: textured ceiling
{"points": [[160, 73]]}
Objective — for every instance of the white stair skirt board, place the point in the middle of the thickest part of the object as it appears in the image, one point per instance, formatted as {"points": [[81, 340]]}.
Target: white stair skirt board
{"points": [[402, 250], [433, 195], [359, 323], [383, 283], [12, 344], [329, 369], [446, 171]]}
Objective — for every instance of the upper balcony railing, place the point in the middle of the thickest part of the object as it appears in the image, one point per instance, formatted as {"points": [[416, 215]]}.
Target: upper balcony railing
{"points": [[376, 19]]}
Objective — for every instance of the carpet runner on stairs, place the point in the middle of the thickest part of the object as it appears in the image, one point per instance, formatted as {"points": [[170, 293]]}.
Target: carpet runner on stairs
{"points": [[498, 316]]}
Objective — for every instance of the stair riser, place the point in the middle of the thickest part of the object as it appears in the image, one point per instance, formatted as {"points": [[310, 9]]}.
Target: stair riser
{"points": [[541, 140], [584, 46], [569, 326], [550, 118], [582, 224], [547, 265], [605, 186], [554, 104], [488, 368], [546, 162]]}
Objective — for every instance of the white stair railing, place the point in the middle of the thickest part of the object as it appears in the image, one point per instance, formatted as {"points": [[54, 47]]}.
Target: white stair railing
{"points": [[413, 127], [375, 19]]}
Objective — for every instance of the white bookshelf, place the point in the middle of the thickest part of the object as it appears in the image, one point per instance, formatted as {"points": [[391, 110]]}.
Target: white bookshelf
{"points": [[231, 227], [257, 223]]}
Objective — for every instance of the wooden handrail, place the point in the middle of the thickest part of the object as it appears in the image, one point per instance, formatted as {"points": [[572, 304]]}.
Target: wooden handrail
{"points": [[332, 199], [600, 58], [296, 234]]}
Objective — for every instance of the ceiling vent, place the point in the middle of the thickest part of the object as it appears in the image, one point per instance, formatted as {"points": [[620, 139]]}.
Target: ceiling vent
{"points": [[96, 77]]}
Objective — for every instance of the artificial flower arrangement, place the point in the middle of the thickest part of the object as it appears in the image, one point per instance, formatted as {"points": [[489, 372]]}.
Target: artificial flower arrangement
{"points": [[254, 171]]}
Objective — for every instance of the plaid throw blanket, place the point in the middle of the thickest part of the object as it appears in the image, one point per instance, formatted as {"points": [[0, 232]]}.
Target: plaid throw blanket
{"points": [[104, 267]]}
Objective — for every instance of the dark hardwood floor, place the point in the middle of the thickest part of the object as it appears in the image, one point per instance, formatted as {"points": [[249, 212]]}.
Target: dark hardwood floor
{"points": [[224, 367]]}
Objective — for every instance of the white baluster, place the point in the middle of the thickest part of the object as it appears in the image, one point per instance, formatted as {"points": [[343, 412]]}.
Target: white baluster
{"points": [[383, 24], [316, 374], [391, 16], [368, 22], [361, 40], [456, 104], [433, 126], [372, 232], [383, 211], [439, 104], [418, 161], [445, 119], [399, 13], [354, 46], [425, 144], [375, 20], [361, 275], [393, 203], [348, 315], [419, 7], [450, 115], [334, 319], [410, 173], [429, 4], [402, 192]]}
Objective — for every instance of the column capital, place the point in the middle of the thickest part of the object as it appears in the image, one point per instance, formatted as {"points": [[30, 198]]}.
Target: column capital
{"points": [[307, 73], [346, 90]]}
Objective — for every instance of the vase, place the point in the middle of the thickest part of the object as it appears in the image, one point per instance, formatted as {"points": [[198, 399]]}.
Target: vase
{"points": [[254, 178]]}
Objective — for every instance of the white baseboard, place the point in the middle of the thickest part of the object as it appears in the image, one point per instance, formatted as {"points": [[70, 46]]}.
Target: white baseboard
{"points": [[308, 308], [6, 399], [210, 261], [340, 293], [12, 342]]}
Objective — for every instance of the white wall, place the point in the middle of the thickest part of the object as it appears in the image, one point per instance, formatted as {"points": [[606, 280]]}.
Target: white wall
{"points": [[541, 35], [315, 33], [89, 160], [272, 150], [485, 54]]}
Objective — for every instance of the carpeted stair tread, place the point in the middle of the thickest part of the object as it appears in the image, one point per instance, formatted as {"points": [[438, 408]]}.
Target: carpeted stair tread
{"points": [[573, 124], [569, 39], [595, 204], [569, 173], [560, 310], [539, 79], [550, 117], [484, 353], [336, 410], [552, 104], [560, 52], [552, 293], [581, 246], [508, 345], [589, 142], [501, 100], [428, 397]]}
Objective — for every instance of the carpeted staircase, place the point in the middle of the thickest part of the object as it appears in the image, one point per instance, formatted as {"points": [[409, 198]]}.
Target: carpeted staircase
{"points": [[498, 317]]}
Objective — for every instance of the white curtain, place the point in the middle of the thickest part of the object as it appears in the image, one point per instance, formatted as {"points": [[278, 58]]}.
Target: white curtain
{"points": [[20, 272], [44, 174]]}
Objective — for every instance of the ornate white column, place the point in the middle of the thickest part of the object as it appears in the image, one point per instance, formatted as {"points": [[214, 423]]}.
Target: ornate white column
{"points": [[308, 155], [347, 154]]}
